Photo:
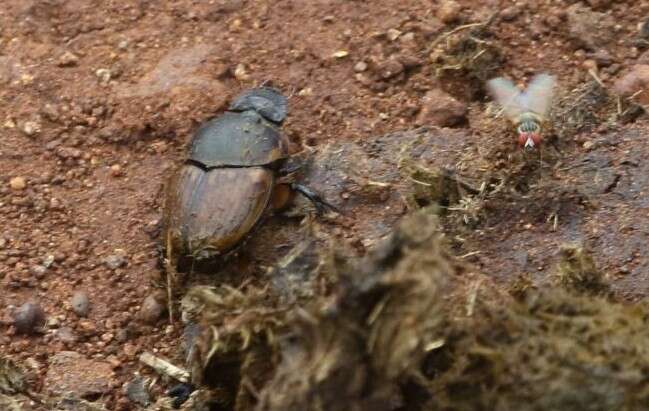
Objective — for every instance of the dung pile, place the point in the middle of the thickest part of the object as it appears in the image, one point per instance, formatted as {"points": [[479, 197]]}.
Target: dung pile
{"points": [[349, 349], [409, 328], [552, 348], [236, 346], [361, 347]]}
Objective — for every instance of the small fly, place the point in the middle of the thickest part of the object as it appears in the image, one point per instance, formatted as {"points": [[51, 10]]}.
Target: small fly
{"points": [[526, 109]]}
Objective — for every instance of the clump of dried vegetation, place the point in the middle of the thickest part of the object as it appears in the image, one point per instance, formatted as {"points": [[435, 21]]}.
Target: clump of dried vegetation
{"points": [[465, 57], [352, 346], [408, 327], [13, 385], [584, 108], [360, 347], [577, 271], [237, 346]]}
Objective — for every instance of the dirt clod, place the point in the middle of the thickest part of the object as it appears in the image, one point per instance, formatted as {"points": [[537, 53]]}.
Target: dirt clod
{"points": [[137, 391], [115, 170], [153, 307], [449, 11], [115, 261], [71, 372], [29, 318], [634, 83], [80, 303], [18, 183], [589, 29], [66, 335], [68, 59], [440, 109]]}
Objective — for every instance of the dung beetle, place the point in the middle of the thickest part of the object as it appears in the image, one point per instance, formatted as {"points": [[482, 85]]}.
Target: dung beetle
{"points": [[236, 170]]}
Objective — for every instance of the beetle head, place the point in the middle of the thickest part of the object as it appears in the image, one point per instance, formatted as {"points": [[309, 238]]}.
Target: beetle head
{"points": [[266, 101]]}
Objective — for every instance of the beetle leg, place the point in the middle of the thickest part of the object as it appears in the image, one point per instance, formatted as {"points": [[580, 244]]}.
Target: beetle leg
{"points": [[287, 179], [289, 171], [321, 205], [281, 196], [180, 393]]}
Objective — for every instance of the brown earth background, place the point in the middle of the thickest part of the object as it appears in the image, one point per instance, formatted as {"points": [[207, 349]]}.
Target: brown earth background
{"points": [[99, 99]]}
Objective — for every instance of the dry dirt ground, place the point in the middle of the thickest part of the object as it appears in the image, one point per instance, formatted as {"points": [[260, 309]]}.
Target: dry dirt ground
{"points": [[99, 98]]}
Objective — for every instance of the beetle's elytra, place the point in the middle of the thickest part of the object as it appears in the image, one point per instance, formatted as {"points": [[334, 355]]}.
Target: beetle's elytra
{"points": [[229, 178]]}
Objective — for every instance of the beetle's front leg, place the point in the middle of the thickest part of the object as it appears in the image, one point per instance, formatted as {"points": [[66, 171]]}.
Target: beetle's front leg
{"points": [[321, 205], [287, 178], [286, 187]]}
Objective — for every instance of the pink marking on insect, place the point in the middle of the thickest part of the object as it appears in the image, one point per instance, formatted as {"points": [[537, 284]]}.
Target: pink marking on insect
{"points": [[529, 140]]}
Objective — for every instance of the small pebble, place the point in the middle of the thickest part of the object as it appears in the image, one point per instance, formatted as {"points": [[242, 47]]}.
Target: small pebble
{"points": [[121, 335], [48, 261], [68, 59], [390, 68], [115, 261], [80, 303], [240, 72], [115, 170], [360, 67], [408, 37], [152, 308], [510, 13], [393, 34], [449, 11], [31, 127], [38, 271], [307, 91], [53, 322], [137, 391], [18, 183], [29, 317], [104, 75]]}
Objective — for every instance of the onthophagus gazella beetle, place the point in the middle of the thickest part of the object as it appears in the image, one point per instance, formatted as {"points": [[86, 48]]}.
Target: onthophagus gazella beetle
{"points": [[526, 109]]}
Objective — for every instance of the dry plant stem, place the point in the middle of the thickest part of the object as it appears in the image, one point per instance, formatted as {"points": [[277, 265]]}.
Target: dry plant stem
{"points": [[460, 28], [596, 77], [473, 296], [171, 276], [164, 367]]}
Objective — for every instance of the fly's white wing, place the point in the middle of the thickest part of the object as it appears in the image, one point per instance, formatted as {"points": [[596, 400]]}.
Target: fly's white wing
{"points": [[507, 95], [539, 93]]}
